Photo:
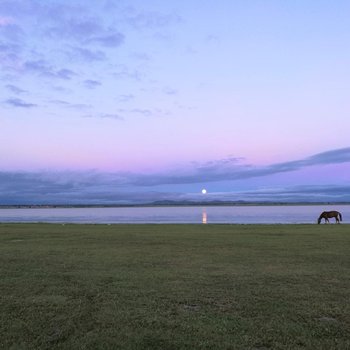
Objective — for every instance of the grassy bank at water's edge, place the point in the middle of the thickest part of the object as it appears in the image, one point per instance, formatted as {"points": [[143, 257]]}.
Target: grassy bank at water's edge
{"points": [[174, 286]]}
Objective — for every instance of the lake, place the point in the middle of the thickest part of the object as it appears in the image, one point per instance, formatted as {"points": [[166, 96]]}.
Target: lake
{"points": [[284, 214]]}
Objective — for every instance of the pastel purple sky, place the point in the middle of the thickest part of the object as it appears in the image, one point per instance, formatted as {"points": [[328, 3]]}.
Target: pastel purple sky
{"points": [[138, 101]]}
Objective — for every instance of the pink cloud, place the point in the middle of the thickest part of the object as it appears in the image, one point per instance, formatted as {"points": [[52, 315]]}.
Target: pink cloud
{"points": [[5, 21]]}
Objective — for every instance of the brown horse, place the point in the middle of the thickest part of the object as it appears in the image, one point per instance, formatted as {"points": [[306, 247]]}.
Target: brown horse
{"points": [[330, 214]]}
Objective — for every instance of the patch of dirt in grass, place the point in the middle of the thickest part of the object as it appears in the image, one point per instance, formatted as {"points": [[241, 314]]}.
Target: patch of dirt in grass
{"points": [[191, 307]]}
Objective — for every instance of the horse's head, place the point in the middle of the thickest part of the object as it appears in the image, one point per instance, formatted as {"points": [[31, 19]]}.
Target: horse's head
{"points": [[319, 220]]}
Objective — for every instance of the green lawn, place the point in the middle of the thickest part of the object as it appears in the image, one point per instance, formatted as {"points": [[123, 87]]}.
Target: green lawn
{"points": [[174, 286]]}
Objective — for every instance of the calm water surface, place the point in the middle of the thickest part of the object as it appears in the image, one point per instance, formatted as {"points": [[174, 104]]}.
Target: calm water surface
{"points": [[225, 214]]}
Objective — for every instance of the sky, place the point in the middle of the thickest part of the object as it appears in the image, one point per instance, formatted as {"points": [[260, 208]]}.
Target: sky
{"points": [[128, 102]]}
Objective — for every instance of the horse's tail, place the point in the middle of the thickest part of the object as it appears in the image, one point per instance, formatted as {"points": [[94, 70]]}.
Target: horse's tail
{"points": [[340, 217]]}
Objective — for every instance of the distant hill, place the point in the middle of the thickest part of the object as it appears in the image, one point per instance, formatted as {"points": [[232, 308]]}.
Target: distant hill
{"points": [[167, 203]]}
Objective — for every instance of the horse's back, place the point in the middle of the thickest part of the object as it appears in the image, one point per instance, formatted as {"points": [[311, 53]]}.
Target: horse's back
{"points": [[332, 213]]}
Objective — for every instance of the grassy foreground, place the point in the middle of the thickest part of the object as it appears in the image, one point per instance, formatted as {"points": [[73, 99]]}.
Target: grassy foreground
{"points": [[174, 286]]}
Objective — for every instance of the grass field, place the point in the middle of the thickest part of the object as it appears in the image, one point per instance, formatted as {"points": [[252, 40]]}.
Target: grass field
{"points": [[174, 286]]}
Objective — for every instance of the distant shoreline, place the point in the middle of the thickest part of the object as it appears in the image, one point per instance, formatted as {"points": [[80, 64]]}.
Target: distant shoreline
{"points": [[165, 204]]}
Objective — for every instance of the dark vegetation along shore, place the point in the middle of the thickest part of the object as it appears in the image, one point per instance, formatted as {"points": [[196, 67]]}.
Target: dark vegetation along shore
{"points": [[168, 203], [174, 286]]}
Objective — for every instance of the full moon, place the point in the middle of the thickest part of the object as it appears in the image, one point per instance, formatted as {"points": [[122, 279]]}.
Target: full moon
{"points": [[204, 191]]}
